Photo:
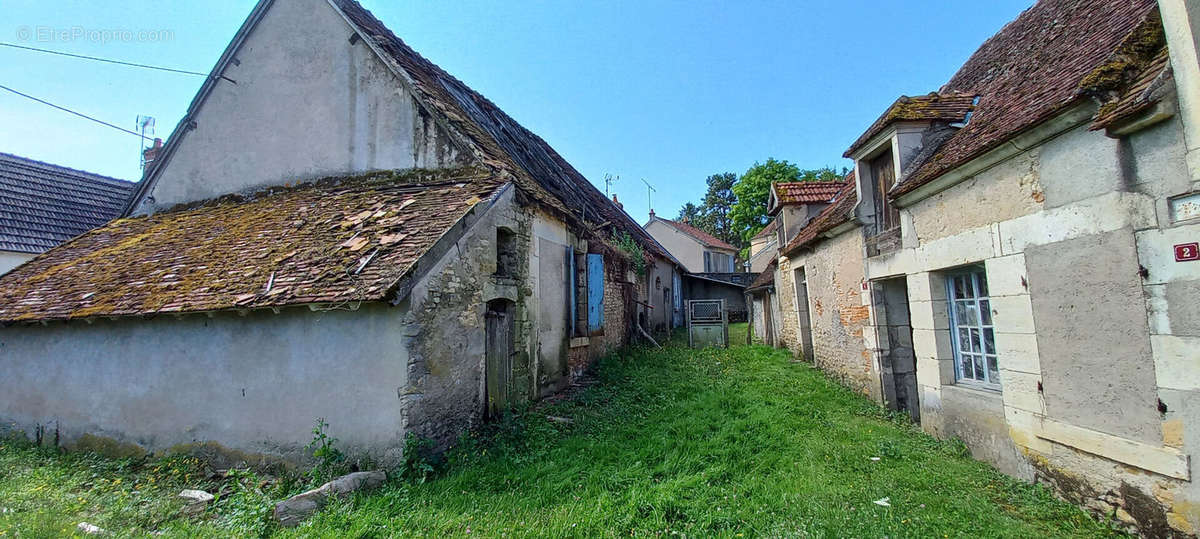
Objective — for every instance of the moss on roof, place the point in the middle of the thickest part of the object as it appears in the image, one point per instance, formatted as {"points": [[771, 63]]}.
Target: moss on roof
{"points": [[333, 240]]}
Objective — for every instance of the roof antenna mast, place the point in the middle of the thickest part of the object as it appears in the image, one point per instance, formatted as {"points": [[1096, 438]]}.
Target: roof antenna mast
{"points": [[144, 124], [609, 179], [649, 189]]}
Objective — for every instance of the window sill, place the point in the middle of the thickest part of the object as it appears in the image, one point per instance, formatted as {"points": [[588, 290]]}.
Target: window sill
{"points": [[978, 389]]}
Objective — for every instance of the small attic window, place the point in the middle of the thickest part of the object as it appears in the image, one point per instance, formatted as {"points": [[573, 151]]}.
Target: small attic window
{"points": [[658, 283], [506, 253]]}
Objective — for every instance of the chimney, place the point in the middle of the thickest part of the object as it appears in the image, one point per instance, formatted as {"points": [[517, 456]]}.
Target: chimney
{"points": [[651, 214], [617, 202], [149, 155]]}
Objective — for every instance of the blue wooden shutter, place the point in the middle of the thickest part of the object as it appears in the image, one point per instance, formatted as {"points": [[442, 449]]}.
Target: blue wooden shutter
{"points": [[595, 275]]}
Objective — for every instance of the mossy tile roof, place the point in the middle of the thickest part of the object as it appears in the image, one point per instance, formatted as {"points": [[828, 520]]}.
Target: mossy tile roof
{"points": [[332, 241]]}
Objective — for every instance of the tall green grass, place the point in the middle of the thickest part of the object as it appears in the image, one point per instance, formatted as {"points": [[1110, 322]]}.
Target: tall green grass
{"points": [[739, 442]]}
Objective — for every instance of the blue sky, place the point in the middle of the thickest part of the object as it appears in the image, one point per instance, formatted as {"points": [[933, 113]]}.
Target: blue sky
{"points": [[668, 91]]}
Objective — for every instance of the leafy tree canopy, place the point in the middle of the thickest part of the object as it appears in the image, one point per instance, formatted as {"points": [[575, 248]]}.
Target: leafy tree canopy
{"points": [[749, 214]]}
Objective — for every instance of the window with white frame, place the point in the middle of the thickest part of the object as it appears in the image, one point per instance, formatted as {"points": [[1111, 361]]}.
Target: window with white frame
{"points": [[975, 359]]}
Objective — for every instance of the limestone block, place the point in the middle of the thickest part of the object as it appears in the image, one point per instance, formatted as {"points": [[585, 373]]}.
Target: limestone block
{"points": [[1176, 361], [1106, 213], [1156, 253], [966, 247], [1006, 275], [926, 286], [1022, 428], [929, 314], [935, 372], [1018, 352], [1013, 314], [933, 344], [1020, 390]]}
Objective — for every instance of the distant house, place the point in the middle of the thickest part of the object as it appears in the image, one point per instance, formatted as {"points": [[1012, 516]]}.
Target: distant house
{"points": [[764, 247], [336, 229], [1014, 262], [43, 205], [697, 250]]}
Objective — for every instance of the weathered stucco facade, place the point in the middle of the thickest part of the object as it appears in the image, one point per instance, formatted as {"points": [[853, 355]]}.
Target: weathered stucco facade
{"points": [[1092, 355], [358, 115]]}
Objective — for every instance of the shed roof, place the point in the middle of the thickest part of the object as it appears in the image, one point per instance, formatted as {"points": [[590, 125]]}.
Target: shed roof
{"points": [[1029, 72], [765, 279], [43, 205], [337, 240], [767, 230]]}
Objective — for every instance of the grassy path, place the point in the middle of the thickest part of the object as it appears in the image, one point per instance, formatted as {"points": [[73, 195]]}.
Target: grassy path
{"points": [[727, 443]]}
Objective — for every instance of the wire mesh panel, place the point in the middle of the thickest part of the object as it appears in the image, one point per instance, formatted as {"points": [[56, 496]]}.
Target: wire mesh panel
{"points": [[707, 323]]}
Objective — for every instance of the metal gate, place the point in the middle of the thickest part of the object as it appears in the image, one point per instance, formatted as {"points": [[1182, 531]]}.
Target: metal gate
{"points": [[707, 323]]}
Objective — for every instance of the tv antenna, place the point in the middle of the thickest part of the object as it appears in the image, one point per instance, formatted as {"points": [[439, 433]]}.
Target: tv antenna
{"points": [[145, 124], [649, 189], [609, 179]]}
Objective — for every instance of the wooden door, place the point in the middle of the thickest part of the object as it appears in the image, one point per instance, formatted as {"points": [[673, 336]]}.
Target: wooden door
{"points": [[499, 356], [886, 216]]}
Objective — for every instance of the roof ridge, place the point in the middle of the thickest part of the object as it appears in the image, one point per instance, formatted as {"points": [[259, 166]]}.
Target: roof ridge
{"points": [[26, 161]]}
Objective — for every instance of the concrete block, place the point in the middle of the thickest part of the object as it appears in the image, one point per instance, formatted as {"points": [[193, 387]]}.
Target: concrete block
{"points": [[1018, 352], [929, 314], [1020, 390], [1013, 314], [1156, 253], [932, 344], [1105, 213], [1006, 275], [935, 372], [1176, 361]]}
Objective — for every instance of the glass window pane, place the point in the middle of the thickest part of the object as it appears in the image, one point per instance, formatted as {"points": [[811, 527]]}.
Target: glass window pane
{"points": [[976, 346], [981, 281], [964, 340], [960, 287], [966, 366], [968, 313], [978, 367], [993, 370], [985, 312], [989, 341]]}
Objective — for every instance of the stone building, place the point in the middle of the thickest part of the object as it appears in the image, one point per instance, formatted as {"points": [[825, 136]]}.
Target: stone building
{"points": [[337, 229], [1025, 241], [43, 205]]}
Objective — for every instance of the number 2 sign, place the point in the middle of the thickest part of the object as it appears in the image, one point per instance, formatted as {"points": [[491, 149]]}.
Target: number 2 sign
{"points": [[1186, 252]]}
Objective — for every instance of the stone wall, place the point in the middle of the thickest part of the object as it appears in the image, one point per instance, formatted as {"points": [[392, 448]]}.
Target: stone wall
{"points": [[839, 310]]}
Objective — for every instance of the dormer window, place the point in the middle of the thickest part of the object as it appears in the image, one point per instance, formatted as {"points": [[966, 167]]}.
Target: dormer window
{"points": [[883, 174]]}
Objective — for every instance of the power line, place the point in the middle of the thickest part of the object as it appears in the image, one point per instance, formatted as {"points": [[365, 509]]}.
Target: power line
{"points": [[79, 114], [107, 60]]}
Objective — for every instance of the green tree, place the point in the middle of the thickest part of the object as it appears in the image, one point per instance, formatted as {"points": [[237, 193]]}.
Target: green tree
{"points": [[718, 202], [689, 212], [824, 174], [749, 214]]}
